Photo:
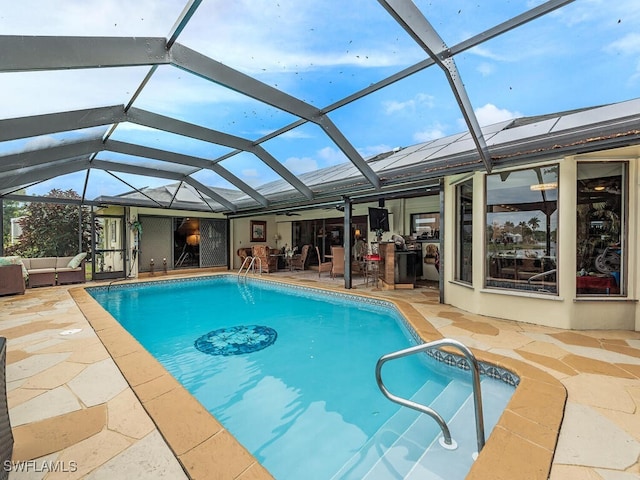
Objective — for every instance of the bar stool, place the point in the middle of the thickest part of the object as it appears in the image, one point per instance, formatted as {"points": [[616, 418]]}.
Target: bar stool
{"points": [[372, 264]]}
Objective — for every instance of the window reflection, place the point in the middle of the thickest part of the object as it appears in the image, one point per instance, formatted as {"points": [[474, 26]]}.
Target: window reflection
{"points": [[464, 231], [425, 225], [599, 228], [186, 242], [521, 229]]}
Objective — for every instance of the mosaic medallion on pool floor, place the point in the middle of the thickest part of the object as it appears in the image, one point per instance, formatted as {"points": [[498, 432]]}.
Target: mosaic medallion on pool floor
{"points": [[236, 340]]}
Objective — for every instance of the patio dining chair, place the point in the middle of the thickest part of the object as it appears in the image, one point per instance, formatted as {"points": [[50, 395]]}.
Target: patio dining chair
{"points": [[322, 266], [337, 261]]}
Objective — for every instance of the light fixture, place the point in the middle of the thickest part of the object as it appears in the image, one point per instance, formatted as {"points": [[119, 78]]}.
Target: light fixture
{"points": [[193, 239], [544, 186], [599, 188], [357, 232]]}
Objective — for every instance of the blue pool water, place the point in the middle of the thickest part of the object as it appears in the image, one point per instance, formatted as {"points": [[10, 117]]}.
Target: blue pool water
{"points": [[289, 372]]}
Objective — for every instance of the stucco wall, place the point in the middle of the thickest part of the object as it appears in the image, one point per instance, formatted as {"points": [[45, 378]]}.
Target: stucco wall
{"points": [[564, 310]]}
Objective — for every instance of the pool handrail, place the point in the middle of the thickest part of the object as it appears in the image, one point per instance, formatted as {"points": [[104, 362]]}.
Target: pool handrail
{"points": [[251, 266], [477, 394]]}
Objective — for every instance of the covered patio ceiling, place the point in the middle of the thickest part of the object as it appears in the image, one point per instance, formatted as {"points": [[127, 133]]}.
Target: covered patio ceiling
{"points": [[195, 131]]}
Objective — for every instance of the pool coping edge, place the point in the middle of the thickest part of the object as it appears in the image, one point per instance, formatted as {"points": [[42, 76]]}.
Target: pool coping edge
{"points": [[522, 444]]}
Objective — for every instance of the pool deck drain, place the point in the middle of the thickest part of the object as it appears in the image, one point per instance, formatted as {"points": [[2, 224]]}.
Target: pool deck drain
{"points": [[93, 401]]}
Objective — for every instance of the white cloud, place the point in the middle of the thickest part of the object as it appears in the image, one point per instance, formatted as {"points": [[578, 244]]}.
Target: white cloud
{"points": [[373, 150], [636, 76], [57, 91], [302, 37], [323, 158], [598, 12], [89, 17], [627, 45], [250, 173], [490, 114], [39, 143], [331, 156], [485, 69], [484, 52], [421, 100], [433, 132], [296, 133], [300, 165]]}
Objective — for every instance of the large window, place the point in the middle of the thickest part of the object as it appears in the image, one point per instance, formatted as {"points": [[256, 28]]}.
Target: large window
{"points": [[521, 229], [464, 232], [600, 249]]}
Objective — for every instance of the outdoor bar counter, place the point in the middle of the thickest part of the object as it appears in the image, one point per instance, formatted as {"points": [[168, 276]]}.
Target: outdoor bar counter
{"points": [[398, 269]]}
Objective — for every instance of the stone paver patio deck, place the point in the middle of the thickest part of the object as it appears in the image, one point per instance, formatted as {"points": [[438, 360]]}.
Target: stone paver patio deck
{"points": [[87, 400]]}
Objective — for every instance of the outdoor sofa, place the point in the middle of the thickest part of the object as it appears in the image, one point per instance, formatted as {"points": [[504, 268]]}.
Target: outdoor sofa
{"points": [[49, 271]]}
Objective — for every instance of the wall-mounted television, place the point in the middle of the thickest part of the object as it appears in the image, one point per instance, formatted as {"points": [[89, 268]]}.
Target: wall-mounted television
{"points": [[378, 219]]}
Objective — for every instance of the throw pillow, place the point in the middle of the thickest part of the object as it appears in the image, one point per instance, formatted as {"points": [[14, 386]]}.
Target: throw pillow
{"points": [[75, 261]]}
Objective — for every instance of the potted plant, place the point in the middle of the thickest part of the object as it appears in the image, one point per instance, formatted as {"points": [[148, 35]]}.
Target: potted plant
{"points": [[136, 226]]}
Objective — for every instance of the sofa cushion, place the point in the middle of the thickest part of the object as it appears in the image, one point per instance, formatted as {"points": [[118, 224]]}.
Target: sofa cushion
{"points": [[36, 271], [67, 269], [77, 260], [15, 260], [44, 262], [63, 261]]}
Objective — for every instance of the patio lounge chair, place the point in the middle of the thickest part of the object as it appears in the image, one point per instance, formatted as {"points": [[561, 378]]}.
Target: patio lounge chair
{"points": [[268, 262], [298, 261]]}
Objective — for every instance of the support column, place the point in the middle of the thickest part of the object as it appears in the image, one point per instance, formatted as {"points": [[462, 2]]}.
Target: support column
{"points": [[347, 243], [80, 228], [1, 227], [441, 243]]}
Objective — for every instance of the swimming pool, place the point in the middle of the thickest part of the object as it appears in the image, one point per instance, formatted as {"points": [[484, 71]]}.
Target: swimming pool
{"points": [[296, 388]]}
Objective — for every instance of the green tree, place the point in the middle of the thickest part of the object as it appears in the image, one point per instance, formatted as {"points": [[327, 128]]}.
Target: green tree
{"points": [[534, 222], [508, 226], [51, 229], [523, 227]]}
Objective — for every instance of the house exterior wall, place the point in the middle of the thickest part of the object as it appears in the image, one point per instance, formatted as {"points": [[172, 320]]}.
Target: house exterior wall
{"points": [[566, 309], [280, 225], [135, 213]]}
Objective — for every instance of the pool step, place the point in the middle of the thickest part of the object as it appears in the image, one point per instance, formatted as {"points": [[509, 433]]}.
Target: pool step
{"points": [[455, 464], [396, 447], [402, 457], [386, 435], [437, 462]]}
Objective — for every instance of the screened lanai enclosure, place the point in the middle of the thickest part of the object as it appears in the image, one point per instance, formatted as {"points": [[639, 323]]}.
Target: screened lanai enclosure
{"points": [[253, 108], [154, 94]]}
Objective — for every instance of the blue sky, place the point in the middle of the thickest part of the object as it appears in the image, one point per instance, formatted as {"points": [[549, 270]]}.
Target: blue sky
{"points": [[585, 54]]}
